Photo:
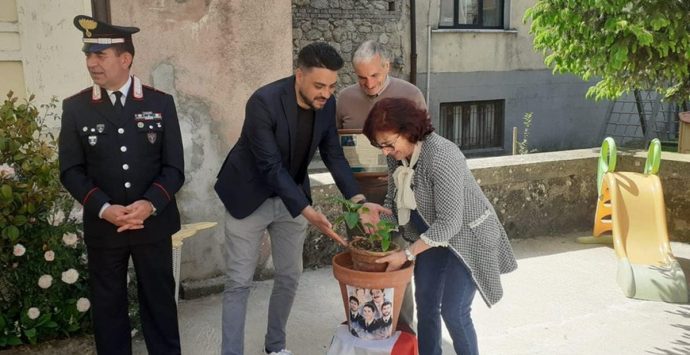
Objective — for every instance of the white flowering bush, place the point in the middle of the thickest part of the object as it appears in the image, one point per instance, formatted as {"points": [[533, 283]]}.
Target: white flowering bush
{"points": [[43, 282]]}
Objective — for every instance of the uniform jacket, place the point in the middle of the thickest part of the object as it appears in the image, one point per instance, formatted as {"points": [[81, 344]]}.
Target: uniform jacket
{"points": [[257, 167], [120, 159], [458, 214]]}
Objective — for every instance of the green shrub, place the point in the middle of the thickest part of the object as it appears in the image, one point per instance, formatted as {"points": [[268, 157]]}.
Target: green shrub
{"points": [[43, 283]]}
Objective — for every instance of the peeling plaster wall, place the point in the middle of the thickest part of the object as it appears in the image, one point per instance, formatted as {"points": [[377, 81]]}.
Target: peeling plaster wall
{"points": [[210, 55]]}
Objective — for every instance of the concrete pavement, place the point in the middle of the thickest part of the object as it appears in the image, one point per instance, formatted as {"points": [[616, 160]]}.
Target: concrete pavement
{"points": [[563, 299]]}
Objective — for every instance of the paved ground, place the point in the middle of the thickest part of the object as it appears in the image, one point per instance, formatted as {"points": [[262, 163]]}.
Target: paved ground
{"points": [[563, 299]]}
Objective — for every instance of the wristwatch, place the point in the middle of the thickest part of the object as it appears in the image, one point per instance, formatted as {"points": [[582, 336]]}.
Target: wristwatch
{"points": [[153, 208], [409, 255]]}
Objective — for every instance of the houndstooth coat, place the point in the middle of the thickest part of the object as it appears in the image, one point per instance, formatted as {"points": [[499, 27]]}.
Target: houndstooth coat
{"points": [[458, 214]]}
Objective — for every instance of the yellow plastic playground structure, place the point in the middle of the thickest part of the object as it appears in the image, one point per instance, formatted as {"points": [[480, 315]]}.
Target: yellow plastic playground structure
{"points": [[631, 207]]}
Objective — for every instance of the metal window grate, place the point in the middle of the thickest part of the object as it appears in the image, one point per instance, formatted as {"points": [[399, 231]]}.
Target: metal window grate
{"points": [[471, 14], [473, 125]]}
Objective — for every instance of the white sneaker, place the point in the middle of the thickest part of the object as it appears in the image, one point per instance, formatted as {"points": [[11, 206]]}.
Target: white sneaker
{"points": [[282, 352]]}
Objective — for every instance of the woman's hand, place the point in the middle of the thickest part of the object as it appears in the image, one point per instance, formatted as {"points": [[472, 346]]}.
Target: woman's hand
{"points": [[395, 261]]}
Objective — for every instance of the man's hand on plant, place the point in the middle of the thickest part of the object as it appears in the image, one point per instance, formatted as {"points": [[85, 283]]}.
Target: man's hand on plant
{"points": [[371, 218], [395, 261], [319, 220]]}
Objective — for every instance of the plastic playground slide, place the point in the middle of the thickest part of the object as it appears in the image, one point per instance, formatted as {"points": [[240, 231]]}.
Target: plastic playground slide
{"points": [[631, 206], [646, 266]]}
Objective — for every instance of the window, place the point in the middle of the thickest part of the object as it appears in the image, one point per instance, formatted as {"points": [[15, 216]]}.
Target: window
{"points": [[473, 125], [471, 14]]}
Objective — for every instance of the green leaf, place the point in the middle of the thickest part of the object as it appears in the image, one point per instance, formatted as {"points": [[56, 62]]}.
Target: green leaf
{"points": [[6, 192], [73, 327], [11, 232], [45, 317], [13, 341], [659, 22], [31, 335], [351, 219], [19, 220], [385, 244]]}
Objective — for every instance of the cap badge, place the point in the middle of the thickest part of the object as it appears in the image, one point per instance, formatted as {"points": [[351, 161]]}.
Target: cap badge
{"points": [[152, 137], [100, 127], [88, 25], [93, 140]]}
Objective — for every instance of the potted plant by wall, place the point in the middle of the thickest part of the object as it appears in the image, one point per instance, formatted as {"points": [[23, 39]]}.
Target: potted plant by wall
{"points": [[367, 290]]}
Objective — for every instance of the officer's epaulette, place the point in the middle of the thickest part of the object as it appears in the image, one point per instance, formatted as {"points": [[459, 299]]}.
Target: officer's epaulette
{"points": [[153, 89], [79, 93]]}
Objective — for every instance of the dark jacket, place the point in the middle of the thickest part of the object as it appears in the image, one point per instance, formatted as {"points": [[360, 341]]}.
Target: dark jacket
{"points": [[258, 166], [106, 157]]}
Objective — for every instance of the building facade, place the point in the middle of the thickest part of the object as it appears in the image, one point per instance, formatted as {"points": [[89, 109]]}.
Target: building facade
{"points": [[474, 61]]}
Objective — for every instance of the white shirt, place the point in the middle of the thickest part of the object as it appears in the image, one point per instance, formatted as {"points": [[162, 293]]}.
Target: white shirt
{"points": [[124, 90]]}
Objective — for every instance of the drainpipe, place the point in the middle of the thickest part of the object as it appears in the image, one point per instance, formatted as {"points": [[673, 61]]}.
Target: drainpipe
{"points": [[413, 42], [100, 10], [428, 59]]}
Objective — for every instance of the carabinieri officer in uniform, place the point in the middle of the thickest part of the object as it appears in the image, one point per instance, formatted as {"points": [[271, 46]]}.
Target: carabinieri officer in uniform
{"points": [[121, 157]]}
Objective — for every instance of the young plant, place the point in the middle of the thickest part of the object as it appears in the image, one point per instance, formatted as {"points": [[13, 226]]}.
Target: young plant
{"points": [[523, 146], [379, 239]]}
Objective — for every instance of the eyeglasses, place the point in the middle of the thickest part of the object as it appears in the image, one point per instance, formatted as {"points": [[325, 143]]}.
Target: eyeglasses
{"points": [[390, 145]]}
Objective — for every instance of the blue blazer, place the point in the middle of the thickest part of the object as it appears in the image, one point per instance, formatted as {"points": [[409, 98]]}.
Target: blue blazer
{"points": [[258, 165]]}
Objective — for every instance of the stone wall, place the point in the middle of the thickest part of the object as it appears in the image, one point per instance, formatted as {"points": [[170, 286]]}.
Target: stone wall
{"points": [[555, 193], [543, 194], [345, 24]]}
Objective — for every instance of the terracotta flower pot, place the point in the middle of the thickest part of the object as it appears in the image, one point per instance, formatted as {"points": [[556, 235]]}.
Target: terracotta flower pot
{"points": [[393, 282], [365, 260]]}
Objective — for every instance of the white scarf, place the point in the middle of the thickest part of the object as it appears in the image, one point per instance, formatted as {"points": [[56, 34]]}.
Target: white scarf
{"points": [[403, 177]]}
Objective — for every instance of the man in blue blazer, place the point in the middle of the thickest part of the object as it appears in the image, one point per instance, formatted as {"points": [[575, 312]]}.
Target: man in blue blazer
{"points": [[264, 185]]}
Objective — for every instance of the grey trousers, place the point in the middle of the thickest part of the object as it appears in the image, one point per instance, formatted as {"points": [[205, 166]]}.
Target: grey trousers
{"points": [[242, 242]]}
